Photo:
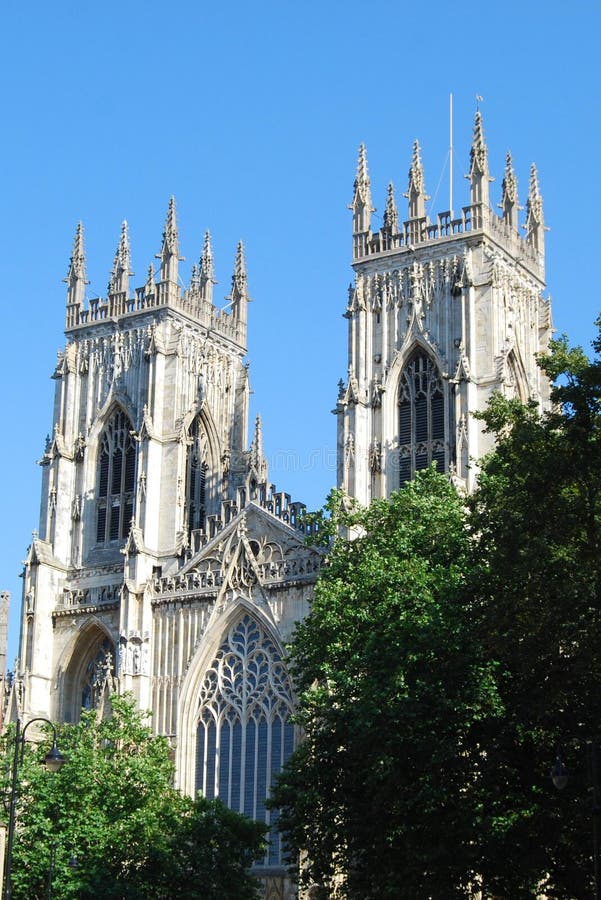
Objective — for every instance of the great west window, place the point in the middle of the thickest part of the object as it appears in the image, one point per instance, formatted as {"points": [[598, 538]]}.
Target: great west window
{"points": [[244, 732]]}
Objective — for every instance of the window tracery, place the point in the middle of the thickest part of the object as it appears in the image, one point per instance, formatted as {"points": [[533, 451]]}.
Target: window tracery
{"points": [[244, 732], [421, 417], [116, 480], [196, 477], [99, 669]]}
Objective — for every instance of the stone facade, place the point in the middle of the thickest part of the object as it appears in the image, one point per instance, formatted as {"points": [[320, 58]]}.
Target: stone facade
{"points": [[440, 315], [166, 564]]}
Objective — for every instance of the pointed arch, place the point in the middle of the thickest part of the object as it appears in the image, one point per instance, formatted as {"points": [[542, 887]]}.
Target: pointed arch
{"points": [[515, 378], [116, 453], [236, 708], [86, 664], [421, 425], [202, 471], [116, 401]]}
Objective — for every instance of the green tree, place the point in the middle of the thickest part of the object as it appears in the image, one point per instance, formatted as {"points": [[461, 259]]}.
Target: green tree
{"points": [[536, 608], [378, 799], [113, 807]]}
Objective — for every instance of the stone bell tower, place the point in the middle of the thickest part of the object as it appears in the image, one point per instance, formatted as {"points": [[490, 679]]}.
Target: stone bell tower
{"points": [[148, 441], [441, 314], [166, 564]]}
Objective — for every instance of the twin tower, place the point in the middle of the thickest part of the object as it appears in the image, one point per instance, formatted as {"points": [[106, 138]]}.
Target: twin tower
{"points": [[166, 563]]}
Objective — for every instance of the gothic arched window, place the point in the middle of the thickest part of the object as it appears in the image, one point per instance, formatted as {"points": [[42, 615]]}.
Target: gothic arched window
{"points": [[514, 384], [196, 477], [116, 480], [89, 677], [99, 669], [244, 732], [421, 417]]}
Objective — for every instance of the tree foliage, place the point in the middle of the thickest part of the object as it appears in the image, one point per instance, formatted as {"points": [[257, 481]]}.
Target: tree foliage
{"points": [[113, 808], [452, 648], [390, 685], [537, 612]]}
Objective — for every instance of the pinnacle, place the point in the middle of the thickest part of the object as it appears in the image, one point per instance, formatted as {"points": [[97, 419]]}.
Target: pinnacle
{"points": [[478, 152], [122, 264], [362, 173], [149, 287], [256, 458], [534, 187], [478, 130], [416, 172], [206, 259], [391, 216], [534, 206], [257, 441], [240, 266], [361, 187], [206, 277], [170, 245], [124, 241], [239, 290], [77, 263], [169, 254], [510, 184]]}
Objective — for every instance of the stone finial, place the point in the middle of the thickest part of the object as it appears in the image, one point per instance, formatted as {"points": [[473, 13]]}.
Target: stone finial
{"points": [[240, 268], [206, 270], [361, 205], [478, 151], [169, 254], [479, 176], [149, 287], [509, 199], [391, 215], [535, 222], [239, 293], [416, 191], [76, 276], [119, 280]]}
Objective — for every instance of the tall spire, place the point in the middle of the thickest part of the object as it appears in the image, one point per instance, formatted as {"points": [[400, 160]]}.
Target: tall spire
{"points": [[239, 294], [119, 280], [169, 254], [361, 205], [206, 270], [479, 175], [76, 276], [535, 222], [416, 192], [509, 198]]}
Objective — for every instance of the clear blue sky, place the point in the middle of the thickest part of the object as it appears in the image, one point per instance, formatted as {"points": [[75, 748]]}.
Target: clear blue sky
{"points": [[251, 115]]}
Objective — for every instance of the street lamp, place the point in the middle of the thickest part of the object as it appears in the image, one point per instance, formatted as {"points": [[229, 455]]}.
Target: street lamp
{"points": [[559, 777], [53, 762], [559, 773]]}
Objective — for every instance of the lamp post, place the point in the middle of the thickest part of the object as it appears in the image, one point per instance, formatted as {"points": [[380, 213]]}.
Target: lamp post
{"points": [[53, 762], [559, 777]]}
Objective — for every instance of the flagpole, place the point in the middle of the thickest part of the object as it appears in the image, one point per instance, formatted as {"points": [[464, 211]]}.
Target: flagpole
{"points": [[451, 154]]}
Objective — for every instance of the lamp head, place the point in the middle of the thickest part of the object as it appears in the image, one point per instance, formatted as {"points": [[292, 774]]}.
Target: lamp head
{"points": [[559, 774], [54, 759]]}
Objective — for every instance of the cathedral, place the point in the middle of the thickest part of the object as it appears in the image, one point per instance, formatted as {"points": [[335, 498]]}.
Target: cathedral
{"points": [[166, 563]]}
